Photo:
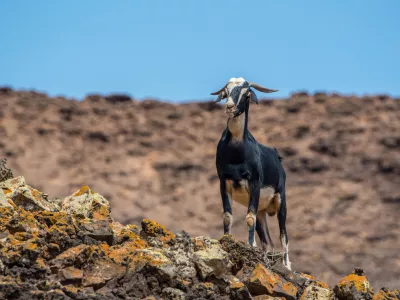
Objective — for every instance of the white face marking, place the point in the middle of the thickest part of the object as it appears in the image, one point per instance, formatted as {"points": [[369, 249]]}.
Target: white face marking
{"points": [[233, 94]]}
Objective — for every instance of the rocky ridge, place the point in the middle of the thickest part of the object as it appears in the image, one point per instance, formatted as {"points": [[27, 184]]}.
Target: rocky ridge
{"points": [[73, 249]]}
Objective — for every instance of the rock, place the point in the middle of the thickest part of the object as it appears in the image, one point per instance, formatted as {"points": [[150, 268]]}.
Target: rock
{"points": [[5, 173], [4, 202], [85, 203], [183, 263], [31, 199], [316, 292], [12, 184], [100, 272], [386, 294], [152, 229], [86, 255], [23, 221], [68, 257], [171, 293], [354, 286], [147, 257], [97, 230], [264, 281], [210, 258], [122, 253], [124, 233], [70, 275], [266, 297]]}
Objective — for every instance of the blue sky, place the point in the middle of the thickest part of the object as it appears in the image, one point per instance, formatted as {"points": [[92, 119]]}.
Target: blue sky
{"points": [[183, 50]]}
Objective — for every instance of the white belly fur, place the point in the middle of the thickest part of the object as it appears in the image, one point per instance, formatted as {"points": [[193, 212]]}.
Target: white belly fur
{"points": [[242, 195]]}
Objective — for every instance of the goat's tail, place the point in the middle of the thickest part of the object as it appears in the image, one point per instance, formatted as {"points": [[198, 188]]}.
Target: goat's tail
{"points": [[279, 156]]}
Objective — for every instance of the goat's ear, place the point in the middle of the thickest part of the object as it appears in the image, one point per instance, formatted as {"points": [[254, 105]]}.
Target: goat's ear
{"points": [[221, 96], [252, 97]]}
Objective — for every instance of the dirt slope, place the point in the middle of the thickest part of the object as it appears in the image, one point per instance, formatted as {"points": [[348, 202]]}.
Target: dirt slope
{"points": [[157, 160]]}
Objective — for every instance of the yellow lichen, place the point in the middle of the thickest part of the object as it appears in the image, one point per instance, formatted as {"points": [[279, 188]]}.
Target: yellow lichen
{"points": [[102, 213], [263, 275], [360, 283], [72, 289], [198, 244], [208, 285], [41, 263], [72, 252], [386, 294], [104, 247], [74, 272], [81, 191], [6, 190], [308, 276], [320, 284], [289, 288], [141, 258], [236, 285], [153, 229], [36, 194]]}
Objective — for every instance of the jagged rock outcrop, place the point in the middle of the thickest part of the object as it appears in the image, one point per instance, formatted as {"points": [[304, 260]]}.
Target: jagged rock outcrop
{"points": [[73, 249]]}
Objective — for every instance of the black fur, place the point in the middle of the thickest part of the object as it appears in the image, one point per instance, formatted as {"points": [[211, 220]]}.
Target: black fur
{"points": [[257, 163]]}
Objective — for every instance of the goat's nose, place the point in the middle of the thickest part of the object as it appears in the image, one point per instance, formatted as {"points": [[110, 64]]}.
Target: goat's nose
{"points": [[230, 105]]}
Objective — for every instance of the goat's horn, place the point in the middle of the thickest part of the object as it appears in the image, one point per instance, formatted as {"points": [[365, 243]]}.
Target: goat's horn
{"points": [[261, 88], [219, 91]]}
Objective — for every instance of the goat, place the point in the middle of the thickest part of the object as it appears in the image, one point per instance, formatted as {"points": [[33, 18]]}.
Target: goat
{"points": [[249, 172]]}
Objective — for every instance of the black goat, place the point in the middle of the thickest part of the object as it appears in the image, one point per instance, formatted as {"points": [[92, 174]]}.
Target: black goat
{"points": [[249, 172]]}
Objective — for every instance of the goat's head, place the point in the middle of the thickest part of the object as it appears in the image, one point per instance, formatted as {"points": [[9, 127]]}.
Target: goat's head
{"points": [[238, 93]]}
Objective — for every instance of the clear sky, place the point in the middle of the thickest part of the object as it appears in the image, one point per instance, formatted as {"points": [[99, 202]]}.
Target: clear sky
{"points": [[183, 50]]}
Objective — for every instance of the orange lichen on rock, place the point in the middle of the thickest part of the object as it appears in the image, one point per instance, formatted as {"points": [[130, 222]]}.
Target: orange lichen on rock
{"points": [[266, 297], [355, 283], [236, 285], [140, 258], [289, 288], [68, 257], [386, 294], [199, 244], [308, 276], [6, 190], [41, 264], [207, 285], [36, 194], [101, 212], [154, 229], [6, 214], [124, 233], [359, 282], [82, 190], [264, 281]]}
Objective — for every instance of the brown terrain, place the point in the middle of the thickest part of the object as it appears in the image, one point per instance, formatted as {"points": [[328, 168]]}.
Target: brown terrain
{"points": [[156, 160]]}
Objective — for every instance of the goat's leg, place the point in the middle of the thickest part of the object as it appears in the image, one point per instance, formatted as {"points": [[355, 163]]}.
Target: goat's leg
{"points": [[254, 190], [226, 195], [263, 232], [283, 233]]}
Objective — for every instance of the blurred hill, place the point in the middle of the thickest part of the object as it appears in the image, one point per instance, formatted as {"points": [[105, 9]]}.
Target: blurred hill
{"points": [[157, 160]]}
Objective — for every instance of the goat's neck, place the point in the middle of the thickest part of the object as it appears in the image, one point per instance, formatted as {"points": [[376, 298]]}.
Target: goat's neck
{"points": [[237, 127]]}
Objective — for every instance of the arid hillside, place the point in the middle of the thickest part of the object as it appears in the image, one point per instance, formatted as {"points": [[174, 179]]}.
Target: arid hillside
{"points": [[157, 160]]}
